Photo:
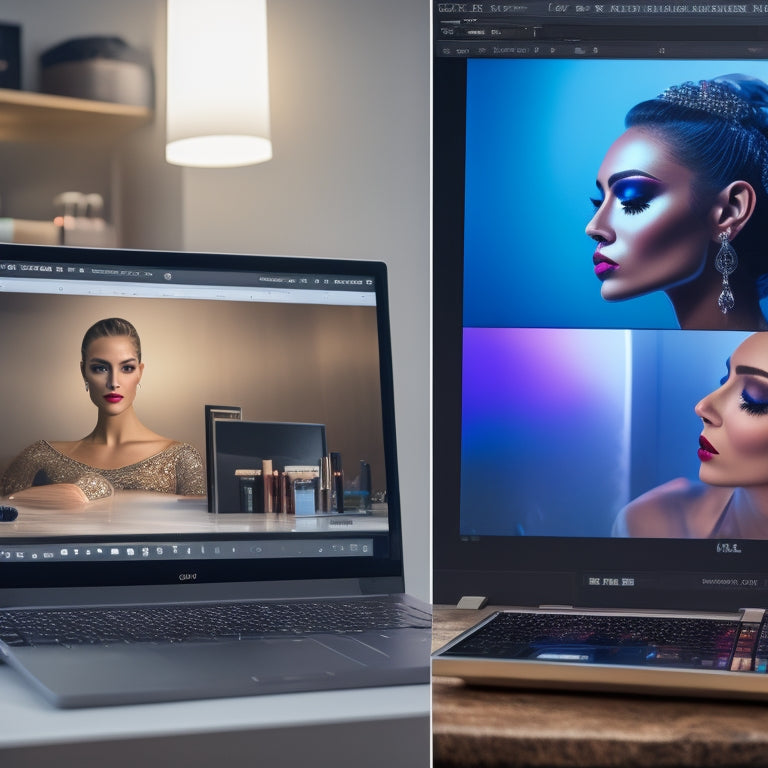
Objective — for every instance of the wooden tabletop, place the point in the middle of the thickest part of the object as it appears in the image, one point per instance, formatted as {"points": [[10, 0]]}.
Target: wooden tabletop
{"points": [[496, 727]]}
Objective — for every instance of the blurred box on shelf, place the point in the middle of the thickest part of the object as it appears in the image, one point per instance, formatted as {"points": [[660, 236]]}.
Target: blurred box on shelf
{"points": [[100, 68], [10, 56]]}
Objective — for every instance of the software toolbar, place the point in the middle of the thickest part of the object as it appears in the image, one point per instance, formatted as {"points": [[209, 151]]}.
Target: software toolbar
{"points": [[191, 550]]}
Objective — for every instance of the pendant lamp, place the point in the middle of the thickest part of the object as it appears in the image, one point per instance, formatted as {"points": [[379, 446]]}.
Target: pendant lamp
{"points": [[217, 111]]}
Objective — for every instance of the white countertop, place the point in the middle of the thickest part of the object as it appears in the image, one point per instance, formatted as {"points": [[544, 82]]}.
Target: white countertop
{"points": [[28, 721]]}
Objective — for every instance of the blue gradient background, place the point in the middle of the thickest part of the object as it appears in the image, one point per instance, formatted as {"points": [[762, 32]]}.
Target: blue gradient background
{"points": [[561, 428], [537, 131]]}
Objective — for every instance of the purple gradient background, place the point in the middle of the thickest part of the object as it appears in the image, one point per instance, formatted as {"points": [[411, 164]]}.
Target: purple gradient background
{"points": [[562, 427]]}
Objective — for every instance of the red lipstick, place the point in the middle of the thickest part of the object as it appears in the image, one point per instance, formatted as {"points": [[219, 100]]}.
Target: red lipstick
{"points": [[707, 451], [113, 397]]}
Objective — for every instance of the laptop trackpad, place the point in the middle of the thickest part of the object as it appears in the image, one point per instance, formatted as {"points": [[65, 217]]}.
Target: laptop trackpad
{"points": [[83, 676], [308, 657]]}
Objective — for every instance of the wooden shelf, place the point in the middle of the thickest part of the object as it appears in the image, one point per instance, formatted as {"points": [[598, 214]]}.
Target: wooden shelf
{"points": [[40, 117]]}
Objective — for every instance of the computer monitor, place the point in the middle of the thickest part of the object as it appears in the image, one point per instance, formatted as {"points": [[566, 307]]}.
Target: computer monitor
{"points": [[569, 373]]}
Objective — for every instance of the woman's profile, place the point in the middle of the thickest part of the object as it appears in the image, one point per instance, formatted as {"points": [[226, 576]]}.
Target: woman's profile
{"points": [[120, 453], [682, 205], [731, 499]]}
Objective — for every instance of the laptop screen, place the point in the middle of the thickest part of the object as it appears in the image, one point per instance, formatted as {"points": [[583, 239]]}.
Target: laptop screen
{"points": [[170, 417], [595, 311]]}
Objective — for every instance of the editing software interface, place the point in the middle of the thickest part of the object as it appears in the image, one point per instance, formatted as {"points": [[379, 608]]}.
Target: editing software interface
{"points": [[263, 388], [600, 197]]}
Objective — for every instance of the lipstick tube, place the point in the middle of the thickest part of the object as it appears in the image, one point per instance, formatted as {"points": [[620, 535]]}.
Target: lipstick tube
{"points": [[325, 493], [266, 473], [337, 472]]}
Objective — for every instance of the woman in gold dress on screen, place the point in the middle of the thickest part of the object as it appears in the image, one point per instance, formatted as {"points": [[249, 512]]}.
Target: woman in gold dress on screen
{"points": [[120, 453]]}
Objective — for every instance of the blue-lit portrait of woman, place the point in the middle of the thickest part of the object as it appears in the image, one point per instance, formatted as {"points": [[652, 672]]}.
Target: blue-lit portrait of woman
{"points": [[598, 432], [621, 194]]}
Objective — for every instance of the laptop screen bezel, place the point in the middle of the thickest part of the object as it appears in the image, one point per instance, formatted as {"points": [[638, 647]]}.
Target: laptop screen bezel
{"points": [[22, 576]]}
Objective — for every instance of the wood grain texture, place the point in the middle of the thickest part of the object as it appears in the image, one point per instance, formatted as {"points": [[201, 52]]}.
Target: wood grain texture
{"points": [[475, 726]]}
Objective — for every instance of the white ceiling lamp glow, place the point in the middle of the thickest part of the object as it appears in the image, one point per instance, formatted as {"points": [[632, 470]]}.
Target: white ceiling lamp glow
{"points": [[218, 83]]}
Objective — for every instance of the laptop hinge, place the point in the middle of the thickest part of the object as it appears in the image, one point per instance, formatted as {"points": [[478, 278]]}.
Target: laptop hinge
{"points": [[752, 615], [472, 602]]}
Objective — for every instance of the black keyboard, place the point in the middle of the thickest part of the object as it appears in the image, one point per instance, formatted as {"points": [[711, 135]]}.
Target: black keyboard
{"points": [[201, 622], [606, 639]]}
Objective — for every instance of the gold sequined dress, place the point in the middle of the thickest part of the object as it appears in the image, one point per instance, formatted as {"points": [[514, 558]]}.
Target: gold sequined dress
{"points": [[178, 469]]}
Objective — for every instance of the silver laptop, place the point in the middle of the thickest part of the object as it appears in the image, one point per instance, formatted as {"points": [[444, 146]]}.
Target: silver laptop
{"points": [[118, 584], [576, 479]]}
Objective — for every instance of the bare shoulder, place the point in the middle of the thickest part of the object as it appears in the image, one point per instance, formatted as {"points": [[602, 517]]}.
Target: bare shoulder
{"points": [[679, 508]]}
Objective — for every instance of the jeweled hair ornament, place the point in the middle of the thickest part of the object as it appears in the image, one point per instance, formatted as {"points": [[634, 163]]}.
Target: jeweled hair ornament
{"points": [[734, 98], [712, 97], [739, 100]]}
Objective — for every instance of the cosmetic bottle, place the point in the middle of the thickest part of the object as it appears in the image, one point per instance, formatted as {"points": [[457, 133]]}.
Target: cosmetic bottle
{"points": [[365, 484], [302, 490], [251, 489], [278, 492], [325, 493], [337, 472], [266, 472]]}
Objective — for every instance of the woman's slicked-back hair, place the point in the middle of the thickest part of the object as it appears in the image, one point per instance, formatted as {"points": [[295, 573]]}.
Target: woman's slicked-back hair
{"points": [[719, 152], [111, 326], [718, 129]]}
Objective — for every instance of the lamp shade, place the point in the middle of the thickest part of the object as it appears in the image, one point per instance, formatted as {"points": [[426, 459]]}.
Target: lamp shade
{"points": [[217, 110]]}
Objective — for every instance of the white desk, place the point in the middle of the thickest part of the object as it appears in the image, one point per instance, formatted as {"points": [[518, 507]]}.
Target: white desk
{"points": [[137, 512], [373, 727]]}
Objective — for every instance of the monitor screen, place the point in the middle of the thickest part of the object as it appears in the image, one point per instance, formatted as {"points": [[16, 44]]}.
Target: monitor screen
{"points": [[109, 453], [598, 304]]}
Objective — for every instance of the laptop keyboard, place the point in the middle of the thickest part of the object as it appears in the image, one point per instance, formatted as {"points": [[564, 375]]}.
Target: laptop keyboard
{"points": [[201, 622], [630, 640]]}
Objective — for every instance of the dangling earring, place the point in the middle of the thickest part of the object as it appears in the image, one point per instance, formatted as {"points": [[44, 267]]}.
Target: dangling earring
{"points": [[86, 386], [726, 262]]}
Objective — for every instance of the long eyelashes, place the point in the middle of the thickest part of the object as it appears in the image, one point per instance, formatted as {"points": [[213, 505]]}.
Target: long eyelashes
{"points": [[631, 208], [753, 406], [96, 369], [747, 403], [634, 194]]}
